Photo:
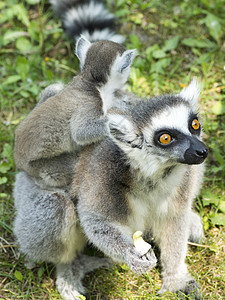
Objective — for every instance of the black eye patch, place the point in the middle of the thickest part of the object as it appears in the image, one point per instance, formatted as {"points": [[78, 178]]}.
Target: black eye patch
{"points": [[194, 125], [165, 138]]}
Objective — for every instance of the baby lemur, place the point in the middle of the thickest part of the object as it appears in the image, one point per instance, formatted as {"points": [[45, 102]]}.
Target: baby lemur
{"points": [[145, 178], [49, 139]]}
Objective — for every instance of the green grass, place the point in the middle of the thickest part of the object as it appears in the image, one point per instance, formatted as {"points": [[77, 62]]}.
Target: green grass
{"points": [[176, 40]]}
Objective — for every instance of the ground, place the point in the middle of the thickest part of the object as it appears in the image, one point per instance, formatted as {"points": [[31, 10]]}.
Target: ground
{"points": [[176, 41]]}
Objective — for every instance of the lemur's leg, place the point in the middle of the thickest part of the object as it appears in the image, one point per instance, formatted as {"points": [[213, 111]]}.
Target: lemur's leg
{"points": [[69, 276], [50, 91], [54, 172], [196, 232], [46, 225], [172, 240], [47, 229]]}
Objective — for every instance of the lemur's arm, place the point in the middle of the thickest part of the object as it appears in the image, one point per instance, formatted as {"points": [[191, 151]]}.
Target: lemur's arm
{"points": [[90, 131], [107, 236]]}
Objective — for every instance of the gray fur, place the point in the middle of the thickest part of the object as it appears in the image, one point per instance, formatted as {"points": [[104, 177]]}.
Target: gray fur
{"points": [[49, 139], [47, 229], [196, 233], [131, 183], [69, 276], [45, 223], [50, 91]]}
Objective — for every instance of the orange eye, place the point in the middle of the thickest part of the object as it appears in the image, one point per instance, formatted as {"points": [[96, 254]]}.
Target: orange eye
{"points": [[165, 139], [195, 124]]}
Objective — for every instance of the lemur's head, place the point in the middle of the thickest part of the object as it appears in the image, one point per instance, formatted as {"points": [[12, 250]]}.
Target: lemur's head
{"points": [[104, 61], [162, 131]]}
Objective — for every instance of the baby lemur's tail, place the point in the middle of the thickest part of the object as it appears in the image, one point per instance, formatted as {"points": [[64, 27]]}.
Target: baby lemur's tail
{"points": [[87, 17]]}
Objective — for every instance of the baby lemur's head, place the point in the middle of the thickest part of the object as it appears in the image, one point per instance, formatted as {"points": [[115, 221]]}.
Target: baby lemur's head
{"points": [[161, 132], [102, 61]]}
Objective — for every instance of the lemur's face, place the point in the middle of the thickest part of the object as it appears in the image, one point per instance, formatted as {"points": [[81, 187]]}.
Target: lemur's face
{"points": [[174, 134], [162, 131]]}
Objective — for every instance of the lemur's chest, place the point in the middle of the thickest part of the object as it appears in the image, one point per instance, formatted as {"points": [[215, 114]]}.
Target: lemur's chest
{"points": [[150, 204], [146, 208]]}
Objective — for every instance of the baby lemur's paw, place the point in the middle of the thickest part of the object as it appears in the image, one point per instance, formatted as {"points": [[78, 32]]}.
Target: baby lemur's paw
{"points": [[140, 263]]}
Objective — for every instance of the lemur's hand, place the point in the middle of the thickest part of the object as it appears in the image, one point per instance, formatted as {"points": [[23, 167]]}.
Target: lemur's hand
{"points": [[140, 263]]}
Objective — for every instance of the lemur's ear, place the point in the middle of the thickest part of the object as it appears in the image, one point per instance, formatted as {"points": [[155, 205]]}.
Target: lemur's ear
{"points": [[126, 59], [122, 130], [82, 47], [191, 92]]}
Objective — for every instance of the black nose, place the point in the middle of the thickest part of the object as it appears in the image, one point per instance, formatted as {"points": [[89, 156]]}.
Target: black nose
{"points": [[196, 153], [202, 153]]}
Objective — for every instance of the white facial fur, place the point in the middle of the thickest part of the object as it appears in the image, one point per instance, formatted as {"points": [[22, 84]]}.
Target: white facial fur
{"points": [[139, 159], [148, 161], [171, 118], [123, 125]]}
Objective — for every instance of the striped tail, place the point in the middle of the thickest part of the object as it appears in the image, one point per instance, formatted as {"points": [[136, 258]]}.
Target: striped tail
{"points": [[87, 17]]}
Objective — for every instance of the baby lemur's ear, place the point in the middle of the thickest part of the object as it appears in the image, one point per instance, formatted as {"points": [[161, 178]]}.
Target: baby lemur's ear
{"points": [[81, 50], [191, 92], [122, 130], [126, 59]]}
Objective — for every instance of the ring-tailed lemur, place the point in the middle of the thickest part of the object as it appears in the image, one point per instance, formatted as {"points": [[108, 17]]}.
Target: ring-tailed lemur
{"points": [[46, 224], [49, 139], [145, 178]]}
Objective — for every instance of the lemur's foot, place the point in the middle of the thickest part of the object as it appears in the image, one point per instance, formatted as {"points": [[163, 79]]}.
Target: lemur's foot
{"points": [[69, 276]]}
